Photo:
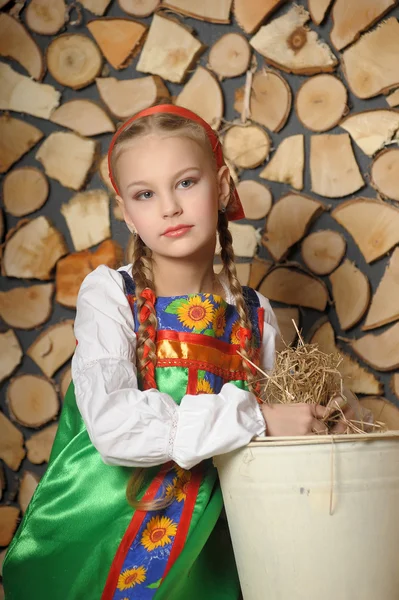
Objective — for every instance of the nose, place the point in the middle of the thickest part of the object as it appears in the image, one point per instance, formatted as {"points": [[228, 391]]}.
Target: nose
{"points": [[170, 206]]}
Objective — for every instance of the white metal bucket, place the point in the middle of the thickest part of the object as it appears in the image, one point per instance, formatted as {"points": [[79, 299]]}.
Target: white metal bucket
{"points": [[315, 517]]}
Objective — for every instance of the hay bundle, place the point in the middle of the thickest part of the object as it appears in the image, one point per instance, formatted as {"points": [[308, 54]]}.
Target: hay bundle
{"points": [[305, 374]]}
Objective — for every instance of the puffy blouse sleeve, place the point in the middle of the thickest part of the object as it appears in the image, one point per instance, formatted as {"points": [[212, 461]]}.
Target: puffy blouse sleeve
{"points": [[131, 427]]}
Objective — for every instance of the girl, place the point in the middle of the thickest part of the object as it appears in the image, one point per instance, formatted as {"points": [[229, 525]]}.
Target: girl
{"points": [[130, 504]]}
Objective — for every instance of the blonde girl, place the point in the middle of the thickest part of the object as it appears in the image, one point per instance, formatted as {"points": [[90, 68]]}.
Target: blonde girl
{"points": [[130, 505]]}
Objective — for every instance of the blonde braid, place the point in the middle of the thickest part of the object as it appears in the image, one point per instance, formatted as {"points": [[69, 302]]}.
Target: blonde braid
{"points": [[143, 277], [227, 256]]}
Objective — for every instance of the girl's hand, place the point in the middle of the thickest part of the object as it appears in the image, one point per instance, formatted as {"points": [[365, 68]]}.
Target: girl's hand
{"points": [[294, 419]]}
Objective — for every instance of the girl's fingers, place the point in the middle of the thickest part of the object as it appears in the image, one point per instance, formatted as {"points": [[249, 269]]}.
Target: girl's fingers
{"points": [[320, 412], [318, 428]]}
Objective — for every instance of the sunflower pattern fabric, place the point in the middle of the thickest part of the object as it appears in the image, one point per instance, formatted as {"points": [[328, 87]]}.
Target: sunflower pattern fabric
{"points": [[197, 340], [148, 554]]}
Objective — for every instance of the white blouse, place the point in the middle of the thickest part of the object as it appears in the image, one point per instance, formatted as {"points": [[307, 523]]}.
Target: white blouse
{"points": [[138, 428]]}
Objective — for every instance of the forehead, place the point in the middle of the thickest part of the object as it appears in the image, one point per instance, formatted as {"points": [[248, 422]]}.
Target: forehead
{"points": [[163, 151]]}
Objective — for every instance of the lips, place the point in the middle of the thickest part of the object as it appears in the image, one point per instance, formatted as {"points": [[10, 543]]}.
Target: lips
{"points": [[177, 230]]}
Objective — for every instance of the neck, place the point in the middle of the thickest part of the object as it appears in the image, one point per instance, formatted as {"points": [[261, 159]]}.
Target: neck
{"points": [[181, 278]]}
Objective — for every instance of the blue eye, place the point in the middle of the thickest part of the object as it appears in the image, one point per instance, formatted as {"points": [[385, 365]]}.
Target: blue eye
{"points": [[189, 181], [144, 196]]}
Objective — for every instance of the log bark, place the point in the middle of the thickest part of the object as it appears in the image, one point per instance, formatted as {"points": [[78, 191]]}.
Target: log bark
{"points": [[12, 449], [384, 307], [87, 218], [84, 117], [206, 10], [374, 225], [74, 60], [230, 56], [385, 173], [380, 351], [46, 17], [127, 96], [295, 287], [288, 221], [288, 163], [247, 147], [371, 65], [68, 158], [350, 18], [203, 95], [118, 39], [270, 100], [287, 44], [372, 129], [53, 347], [16, 139], [333, 167], [169, 50], [39, 444], [27, 307], [351, 294], [24, 190], [358, 379], [21, 94], [256, 199], [323, 250], [32, 400], [17, 43], [32, 249], [321, 102], [10, 354]]}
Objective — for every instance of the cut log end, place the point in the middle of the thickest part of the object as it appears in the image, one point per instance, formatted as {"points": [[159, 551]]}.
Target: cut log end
{"points": [[321, 102], [246, 147], [351, 293], [32, 400], [74, 60], [322, 251]]}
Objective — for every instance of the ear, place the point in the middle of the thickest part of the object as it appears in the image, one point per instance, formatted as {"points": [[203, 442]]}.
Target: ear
{"points": [[223, 177], [128, 221]]}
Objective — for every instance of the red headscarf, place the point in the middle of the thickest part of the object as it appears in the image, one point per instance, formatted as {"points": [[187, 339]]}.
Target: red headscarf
{"points": [[235, 210]]}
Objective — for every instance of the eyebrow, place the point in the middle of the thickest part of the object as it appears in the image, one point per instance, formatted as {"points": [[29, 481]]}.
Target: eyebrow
{"points": [[132, 183]]}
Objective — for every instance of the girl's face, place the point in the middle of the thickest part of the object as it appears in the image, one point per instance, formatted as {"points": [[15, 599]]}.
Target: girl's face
{"points": [[171, 194]]}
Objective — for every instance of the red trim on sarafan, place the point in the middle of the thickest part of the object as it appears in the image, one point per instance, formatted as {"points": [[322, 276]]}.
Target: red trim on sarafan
{"points": [[198, 339], [130, 535], [261, 322], [185, 519], [192, 381]]}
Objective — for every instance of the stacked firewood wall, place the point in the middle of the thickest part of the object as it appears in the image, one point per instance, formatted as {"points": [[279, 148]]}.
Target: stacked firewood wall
{"points": [[305, 97]]}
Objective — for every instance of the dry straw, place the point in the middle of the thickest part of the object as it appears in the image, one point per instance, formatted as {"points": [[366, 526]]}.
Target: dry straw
{"points": [[306, 374]]}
